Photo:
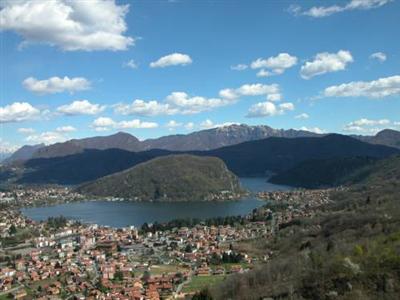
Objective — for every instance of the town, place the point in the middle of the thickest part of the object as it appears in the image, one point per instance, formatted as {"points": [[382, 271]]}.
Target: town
{"points": [[67, 259]]}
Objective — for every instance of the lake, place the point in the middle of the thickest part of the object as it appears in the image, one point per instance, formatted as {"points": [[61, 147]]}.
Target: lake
{"points": [[124, 213]]}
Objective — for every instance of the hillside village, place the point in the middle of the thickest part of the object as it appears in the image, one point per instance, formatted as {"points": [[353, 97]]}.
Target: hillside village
{"points": [[62, 258]]}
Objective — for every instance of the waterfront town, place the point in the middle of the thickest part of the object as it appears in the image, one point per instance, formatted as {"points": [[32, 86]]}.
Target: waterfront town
{"points": [[64, 259]]}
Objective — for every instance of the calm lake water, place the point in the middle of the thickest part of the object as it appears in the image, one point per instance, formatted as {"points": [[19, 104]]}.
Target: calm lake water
{"points": [[124, 213]]}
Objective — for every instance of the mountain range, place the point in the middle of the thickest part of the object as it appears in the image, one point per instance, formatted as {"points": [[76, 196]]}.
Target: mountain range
{"points": [[203, 140], [253, 158], [197, 141]]}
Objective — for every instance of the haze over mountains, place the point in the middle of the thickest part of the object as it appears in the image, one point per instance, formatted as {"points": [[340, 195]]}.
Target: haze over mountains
{"points": [[203, 140]]}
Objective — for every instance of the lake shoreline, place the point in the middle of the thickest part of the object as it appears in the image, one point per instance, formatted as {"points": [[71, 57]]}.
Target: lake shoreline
{"points": [[121, 213]]}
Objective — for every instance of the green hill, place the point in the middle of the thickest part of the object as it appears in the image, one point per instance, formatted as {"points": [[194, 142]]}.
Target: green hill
{"points": [[169, 178], [317, 173], [350, 249]]}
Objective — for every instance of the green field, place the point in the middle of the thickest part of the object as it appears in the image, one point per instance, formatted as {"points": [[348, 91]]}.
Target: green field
{"points": [[161, 269], [200, 282]]}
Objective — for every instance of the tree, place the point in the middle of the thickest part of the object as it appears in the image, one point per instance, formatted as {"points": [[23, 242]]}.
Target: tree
{"points": [[12, 230], [119, 276], [188, 248], [146, 275], [203, 295]]}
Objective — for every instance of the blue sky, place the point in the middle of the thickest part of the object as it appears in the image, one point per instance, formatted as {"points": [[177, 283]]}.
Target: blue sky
{"points": [[71, 70]]}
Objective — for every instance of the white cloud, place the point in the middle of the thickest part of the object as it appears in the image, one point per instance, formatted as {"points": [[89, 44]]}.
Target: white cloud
{"points": [[302, 116], [367, 122], [367, 126], [286, 106], [208, 124], [7, 148], [80, 107], [173, 59], [66, 129], [382, 87], [131, 64], [26, 130], [189, 126], [264, 73], [239, 67], [173, 124], [312, 129], [191, 105], [69, 25], [380, 56], [18, 112], [56, 85], [324, 11], [48, 137], [105, 123], [136, 124], [325, 63], [274, 97], [145, 108], [256, 89], [268, 109], [183, 103], [277, 64]]}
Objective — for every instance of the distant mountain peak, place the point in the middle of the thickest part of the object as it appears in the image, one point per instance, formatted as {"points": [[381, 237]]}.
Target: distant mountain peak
{"points": [[388, 132], [201, 140]]}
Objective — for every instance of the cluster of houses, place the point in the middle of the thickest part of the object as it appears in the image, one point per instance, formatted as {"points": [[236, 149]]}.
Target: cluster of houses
{"points": [[37, 196], [107, 263], [95, 262]]}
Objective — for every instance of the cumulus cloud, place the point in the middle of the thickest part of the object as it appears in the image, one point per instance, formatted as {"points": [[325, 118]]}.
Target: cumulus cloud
{"points": [[183, 103], [380, 56], [208, 124], [382, 87], [131, 64], [173, 124], [325, 63], [274, 97], [66, 129], [105, 123], [239, 67], [7, 148], [367, 122], [56, 85], [18, 112], [136, 123], [145, 108], [26, 130], [80, 107], [312, 129], [264, 73], [174, 59], [368, 126], [274, 65], [302, 116], [256, 89], [324, 11], [189, 126], [191, 105], [69, 25], [47, 137], [268, 109]]}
